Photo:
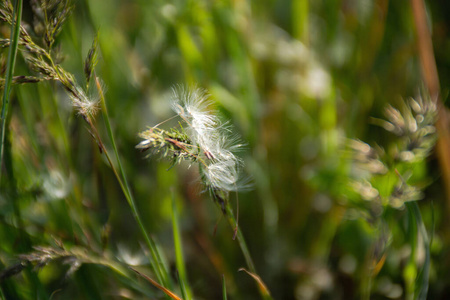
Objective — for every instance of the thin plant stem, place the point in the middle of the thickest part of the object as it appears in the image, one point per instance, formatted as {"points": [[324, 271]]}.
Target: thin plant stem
{"points": [[156, 265], [15, 30], [242, 244], [240, 237]]}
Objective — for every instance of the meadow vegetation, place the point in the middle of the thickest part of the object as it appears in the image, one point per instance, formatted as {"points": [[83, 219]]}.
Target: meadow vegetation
{"points": [[224, 149]]}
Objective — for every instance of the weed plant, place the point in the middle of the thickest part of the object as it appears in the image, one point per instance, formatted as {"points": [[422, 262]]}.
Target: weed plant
{"points": [[132, 131]]}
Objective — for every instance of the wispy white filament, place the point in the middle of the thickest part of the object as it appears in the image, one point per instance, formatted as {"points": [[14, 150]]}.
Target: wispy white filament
{"points": [[223, 175], [83, 104]]}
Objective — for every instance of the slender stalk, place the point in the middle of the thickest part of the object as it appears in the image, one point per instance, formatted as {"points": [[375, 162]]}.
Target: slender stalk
{"points": [[156, 263], [300, 11], [240, 237], [265, 294], [15, 30]]}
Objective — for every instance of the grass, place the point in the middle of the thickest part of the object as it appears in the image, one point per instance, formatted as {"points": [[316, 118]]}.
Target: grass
{"points": [[15, 28], [338, 130]]}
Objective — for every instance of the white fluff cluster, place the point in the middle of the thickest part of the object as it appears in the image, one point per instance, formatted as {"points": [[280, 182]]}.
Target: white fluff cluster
{"points": [[84, 105], [222, 167]]}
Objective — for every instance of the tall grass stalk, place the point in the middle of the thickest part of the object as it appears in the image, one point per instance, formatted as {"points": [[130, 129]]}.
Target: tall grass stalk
{"points": [[240, 237], [15, 30]]}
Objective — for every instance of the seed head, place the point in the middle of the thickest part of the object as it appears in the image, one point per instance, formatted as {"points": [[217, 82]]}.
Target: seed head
{"points": [[221, 166], [202, 139]]}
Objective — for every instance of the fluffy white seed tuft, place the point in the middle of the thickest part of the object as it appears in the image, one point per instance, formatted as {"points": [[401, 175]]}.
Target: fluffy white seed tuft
{"points": [[221, 166]]}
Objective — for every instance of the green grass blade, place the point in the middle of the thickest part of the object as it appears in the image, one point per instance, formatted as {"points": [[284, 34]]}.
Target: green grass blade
{"points": [[15, 30], [421, 289], [417, 280], [179, 258], [224, 288], [410, 271], [2, 296], [300, 10], [184, 293], [156, 261]]}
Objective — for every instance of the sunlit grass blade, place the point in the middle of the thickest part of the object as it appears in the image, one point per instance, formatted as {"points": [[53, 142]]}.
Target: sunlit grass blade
{"points": [[166, 291], [262, 287], [300, 19], [15, 30]]}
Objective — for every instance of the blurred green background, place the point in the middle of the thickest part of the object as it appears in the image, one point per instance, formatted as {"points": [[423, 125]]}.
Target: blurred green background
{"points": [[296, 79]]}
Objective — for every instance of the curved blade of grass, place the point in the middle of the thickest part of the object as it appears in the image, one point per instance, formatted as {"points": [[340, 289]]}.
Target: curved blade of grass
{"points": [[156, 260], [264, 291], [15, 30], [179, 258], [166, 291], [262, 287]]}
